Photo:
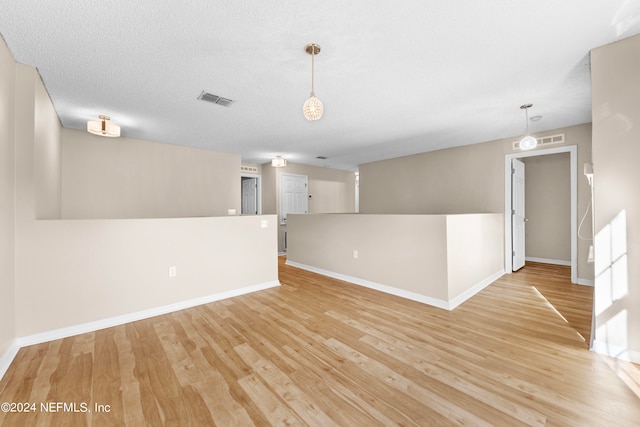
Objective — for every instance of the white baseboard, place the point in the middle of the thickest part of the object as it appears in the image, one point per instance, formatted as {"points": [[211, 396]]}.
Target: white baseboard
{"points": [[8, 356], [548, 261], [140, 315], [435, 302], [585, 282], [475, 289], [615, 351]]}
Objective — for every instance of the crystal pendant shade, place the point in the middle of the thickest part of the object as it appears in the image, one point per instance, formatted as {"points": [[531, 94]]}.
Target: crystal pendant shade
{"points": [[528, 142], [312, 108]]}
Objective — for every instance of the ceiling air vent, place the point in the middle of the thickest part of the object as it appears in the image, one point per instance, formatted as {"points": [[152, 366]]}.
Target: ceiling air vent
{"points": [[544, 141], [215, 99]]}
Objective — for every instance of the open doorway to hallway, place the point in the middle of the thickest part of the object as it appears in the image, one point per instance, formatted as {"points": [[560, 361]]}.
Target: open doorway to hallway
{"points": [[548, 209], [251, 189], [573, 195]]}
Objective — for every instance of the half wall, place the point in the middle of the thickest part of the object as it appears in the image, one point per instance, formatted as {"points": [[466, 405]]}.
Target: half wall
{"points": [[440, 260]]}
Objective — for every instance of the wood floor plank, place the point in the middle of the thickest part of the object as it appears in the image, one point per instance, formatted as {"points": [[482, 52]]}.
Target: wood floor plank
{"points": [[132, 409], [224, 409], [406, 353], [279, 382], [354, 411], [71, 384], [107, 380], [317, 351], [269, 403]]}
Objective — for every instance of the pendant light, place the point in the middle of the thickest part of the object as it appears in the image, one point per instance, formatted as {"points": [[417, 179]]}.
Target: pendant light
{"points": [[103, 127], [528, 142], [312, 108], [278, 162]]}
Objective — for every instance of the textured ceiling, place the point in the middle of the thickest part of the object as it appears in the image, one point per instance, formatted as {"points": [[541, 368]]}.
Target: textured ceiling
{"points": [[396, 78]]}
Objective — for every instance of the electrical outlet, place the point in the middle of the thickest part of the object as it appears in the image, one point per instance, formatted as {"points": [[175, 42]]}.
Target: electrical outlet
{"points": [[173, 271], [355, 254], [264, 223]]}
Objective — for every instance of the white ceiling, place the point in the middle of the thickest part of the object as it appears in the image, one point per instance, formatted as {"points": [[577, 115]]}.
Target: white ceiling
{"points": [[395, 77]]}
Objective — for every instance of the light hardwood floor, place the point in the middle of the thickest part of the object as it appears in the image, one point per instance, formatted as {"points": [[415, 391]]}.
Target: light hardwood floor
{"points": [[321, 352]]}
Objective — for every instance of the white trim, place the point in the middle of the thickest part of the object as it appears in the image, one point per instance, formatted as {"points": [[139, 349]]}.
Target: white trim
{"points": [[475, 289], [140, 315], [18, 343], [579, 281], [573, 162], [585, 282], [282, 219], [548, 261], [615, 351], [445, 305], [258, 178], [8, 356], [375, 286]]}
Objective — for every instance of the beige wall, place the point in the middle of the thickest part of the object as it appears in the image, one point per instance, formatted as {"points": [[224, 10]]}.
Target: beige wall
{"points": [[7, 201], [269, 194], [439, 257], [331, 191], [475, 248], [71, 272], [46, 156], [467, 179], [548, 208], [75, 272], [406, 251], [132, 178], [615, 71]]}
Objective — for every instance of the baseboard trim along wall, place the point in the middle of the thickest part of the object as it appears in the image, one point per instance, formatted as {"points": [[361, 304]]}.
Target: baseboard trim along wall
{"points": [[375, 286], [446, 305], [583, 282], [548, 261], [56, 334], [615, 351], [8, 356], [475, 289]]}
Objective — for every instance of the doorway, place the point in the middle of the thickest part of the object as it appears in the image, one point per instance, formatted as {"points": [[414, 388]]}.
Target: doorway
{"points": [[251, 189], [508, 242], [294, 195], [518, 220]]}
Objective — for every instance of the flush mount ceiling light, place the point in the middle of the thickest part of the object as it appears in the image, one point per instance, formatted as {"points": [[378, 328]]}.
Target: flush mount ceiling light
{"points": [[528, 142], [103, 127], [312, 108], [278, 162]]}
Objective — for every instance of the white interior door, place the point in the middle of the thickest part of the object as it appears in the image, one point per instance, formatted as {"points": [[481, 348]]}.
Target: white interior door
{"points": [[249, 196], [517, 213], [293, 195]]}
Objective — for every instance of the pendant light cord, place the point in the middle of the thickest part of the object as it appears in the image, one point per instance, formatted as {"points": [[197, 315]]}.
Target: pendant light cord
{"points": [[313, 54]]}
